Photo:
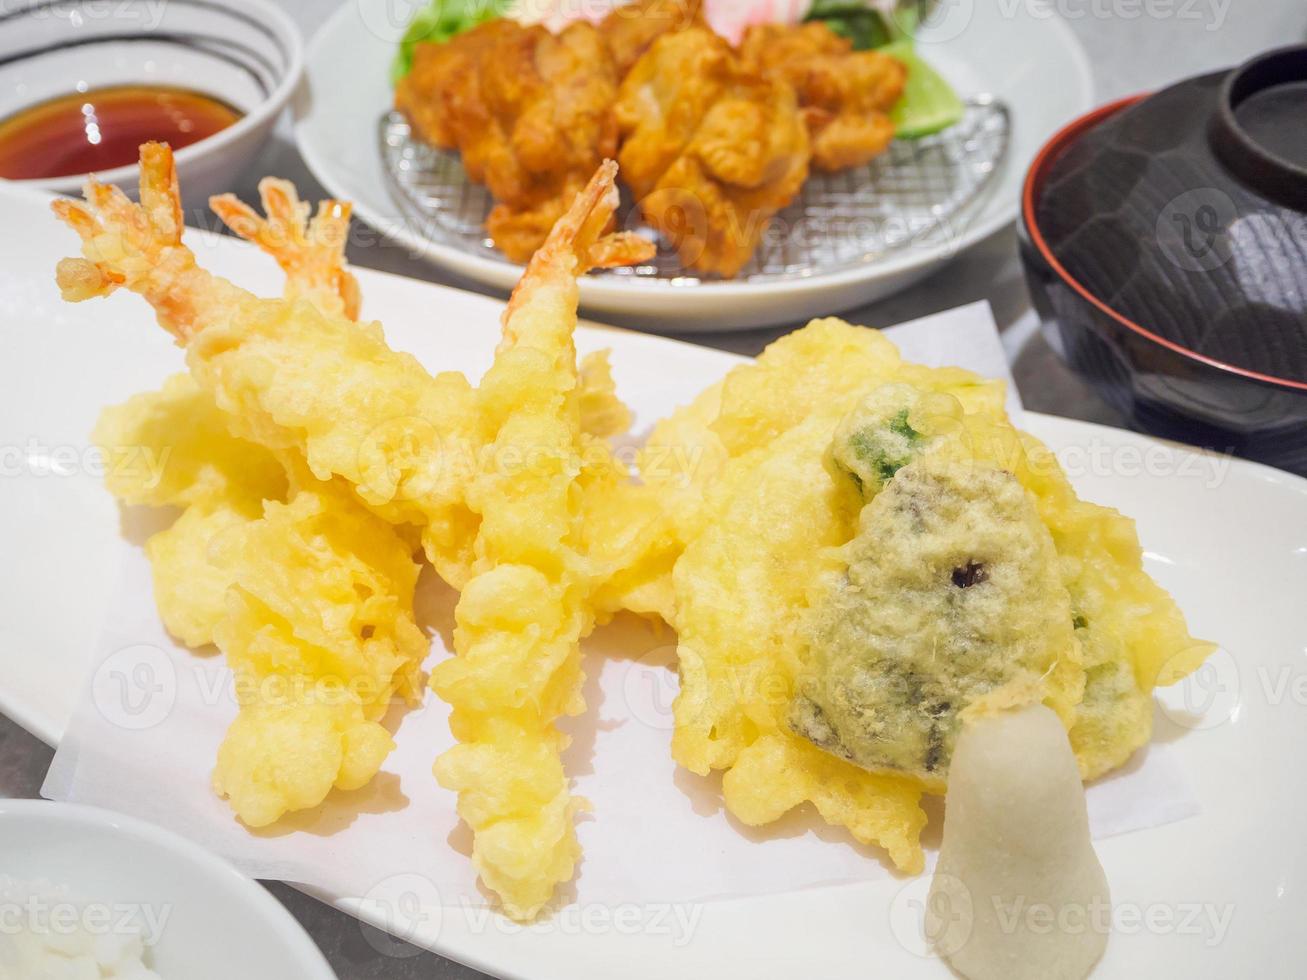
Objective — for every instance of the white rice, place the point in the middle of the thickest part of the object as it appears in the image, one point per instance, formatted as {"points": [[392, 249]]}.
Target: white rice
{"points": [[47, 935]]}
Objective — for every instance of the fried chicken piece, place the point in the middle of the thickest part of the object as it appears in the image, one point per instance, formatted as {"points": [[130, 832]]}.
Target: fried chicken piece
{"points": [[712, 150], [632, 28], [846, 95], [530, 113]]}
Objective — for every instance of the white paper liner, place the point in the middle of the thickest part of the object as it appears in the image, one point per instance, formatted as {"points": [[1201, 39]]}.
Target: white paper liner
{"points": [[147, 730]]}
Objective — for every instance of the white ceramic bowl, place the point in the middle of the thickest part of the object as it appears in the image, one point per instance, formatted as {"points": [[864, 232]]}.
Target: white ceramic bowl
{"points": [[246, 53], [213, 923]]}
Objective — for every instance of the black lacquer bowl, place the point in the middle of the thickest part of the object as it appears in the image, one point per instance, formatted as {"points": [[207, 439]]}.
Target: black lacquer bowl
{"points": [[1165, 244]]}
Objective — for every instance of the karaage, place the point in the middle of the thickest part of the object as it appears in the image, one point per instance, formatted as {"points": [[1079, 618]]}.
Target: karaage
{"points": [[711, 150], [845, 95], [631, 28], [714, 140], [529, 111]]}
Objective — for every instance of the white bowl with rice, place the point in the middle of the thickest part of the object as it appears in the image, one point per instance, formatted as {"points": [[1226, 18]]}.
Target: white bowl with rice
{"points": [[89, 893]]}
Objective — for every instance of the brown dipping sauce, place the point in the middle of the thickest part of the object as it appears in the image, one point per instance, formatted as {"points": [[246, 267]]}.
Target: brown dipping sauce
{"points": [[103, 128]]}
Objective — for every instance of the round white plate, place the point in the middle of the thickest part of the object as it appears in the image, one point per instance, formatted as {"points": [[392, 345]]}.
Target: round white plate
{"points": [[1022, 54], [1219, 895], [201, 918]]}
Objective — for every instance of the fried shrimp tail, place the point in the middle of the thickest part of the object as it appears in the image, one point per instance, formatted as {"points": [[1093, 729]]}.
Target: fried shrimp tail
{"points": [[139, 247], [576, 245], [311, 253]]}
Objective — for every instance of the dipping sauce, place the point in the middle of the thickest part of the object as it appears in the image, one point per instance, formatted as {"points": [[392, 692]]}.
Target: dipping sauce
{"points": [[103, 128]]}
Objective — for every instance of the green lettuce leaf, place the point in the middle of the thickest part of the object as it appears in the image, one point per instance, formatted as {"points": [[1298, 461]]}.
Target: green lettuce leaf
{"points": [[438, 22], [929, 103]]}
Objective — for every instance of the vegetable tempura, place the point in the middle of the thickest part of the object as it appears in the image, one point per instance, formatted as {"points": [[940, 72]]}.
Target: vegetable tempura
{"points": [[772, 600]]}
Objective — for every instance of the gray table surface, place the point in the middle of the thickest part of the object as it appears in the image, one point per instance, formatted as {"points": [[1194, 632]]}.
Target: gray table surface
{"points": [[1133, 45]]}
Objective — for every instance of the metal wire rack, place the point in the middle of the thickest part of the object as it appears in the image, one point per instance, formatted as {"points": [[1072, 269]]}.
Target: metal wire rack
{"points": [[919, 193]]}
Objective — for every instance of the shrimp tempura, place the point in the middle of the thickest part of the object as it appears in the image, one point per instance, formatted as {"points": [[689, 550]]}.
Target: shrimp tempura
{"points": [[295, 377], [321, 636], [516, 497], [311, 600], [290, 375], [173, 447], [521, 616]]}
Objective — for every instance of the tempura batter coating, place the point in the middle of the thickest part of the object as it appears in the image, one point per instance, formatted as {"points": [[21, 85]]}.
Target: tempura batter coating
{"points": [[294, 378], [759, 512], [603, 414], [310, 601], [738, 587], [289, 376], [951, 605], [1137, 638], [320, 634], [518, 499], [825, 367], [527, 604], [1132, 633], [767, 518], [190, 591], [172, 448]]}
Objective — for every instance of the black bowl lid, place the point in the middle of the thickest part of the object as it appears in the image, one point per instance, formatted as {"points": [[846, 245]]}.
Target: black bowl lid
{"points": [[1259, 129], [1186, 215]]}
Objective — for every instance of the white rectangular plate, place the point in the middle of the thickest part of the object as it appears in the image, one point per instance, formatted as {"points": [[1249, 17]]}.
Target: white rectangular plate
{"points": [[1219, 895]]}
